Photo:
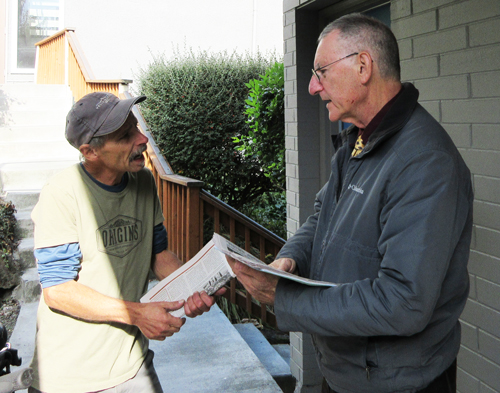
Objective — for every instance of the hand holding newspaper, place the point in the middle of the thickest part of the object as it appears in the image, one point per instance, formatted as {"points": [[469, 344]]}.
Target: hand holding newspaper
{"points": [[208, 271]]}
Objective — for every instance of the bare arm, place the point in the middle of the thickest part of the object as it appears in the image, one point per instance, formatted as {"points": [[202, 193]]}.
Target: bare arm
{"points": [[80, 301], [165, 263]]}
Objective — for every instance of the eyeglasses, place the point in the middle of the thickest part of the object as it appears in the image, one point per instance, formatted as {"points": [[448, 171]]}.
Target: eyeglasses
{"points": [[315, 71]]}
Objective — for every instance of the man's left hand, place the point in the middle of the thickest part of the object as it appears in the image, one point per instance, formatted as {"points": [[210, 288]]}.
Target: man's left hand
{"points": [[200, 302]]}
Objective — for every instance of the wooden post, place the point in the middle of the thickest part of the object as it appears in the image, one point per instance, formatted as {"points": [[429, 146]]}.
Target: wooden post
{"points": [[193, 241]]}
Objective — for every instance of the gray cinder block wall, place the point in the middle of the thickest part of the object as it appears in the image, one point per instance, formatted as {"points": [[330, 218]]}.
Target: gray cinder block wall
{"points": [[450, 50]]}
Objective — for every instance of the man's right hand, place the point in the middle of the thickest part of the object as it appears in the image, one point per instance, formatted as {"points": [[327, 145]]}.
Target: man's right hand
{"points": [[155, 321], [79, 301]]}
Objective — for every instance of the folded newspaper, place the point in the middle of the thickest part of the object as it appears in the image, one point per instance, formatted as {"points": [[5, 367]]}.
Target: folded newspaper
{"points": [[209, 270]]}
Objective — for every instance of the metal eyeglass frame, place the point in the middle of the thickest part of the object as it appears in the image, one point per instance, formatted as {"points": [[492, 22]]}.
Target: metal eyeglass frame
{"points": [[315, 71]]}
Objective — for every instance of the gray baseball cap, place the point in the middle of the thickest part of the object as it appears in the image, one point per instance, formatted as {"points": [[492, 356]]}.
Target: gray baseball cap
{"points": [[97, 114]]}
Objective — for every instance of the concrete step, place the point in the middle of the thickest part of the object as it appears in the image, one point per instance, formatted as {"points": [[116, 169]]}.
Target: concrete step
{"points": [[32, 143], [18, 90], [34, 103], [22, 200], [29, 289], [33, 150], [20, 78], [20, 133], [276, 365], [25, 253], [39, 117], [208, 355], [284, 351], [23, 217], [29, 175]]}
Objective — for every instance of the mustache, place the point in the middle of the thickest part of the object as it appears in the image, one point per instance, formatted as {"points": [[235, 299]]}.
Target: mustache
{"points": [[137, 153]]}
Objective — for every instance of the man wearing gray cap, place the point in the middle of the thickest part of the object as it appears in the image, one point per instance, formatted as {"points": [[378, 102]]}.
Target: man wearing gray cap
{"points": [[98, 232]]}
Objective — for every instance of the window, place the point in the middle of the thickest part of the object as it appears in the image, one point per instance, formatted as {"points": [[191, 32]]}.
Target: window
{"points": [[36, 20]]}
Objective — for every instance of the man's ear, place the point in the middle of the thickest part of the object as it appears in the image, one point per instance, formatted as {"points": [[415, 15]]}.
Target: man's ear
{"points": [[365, 67], [88, 152]]}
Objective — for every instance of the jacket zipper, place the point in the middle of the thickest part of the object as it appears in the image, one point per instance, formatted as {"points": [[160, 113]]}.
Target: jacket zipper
{"points": [[368, 368]]}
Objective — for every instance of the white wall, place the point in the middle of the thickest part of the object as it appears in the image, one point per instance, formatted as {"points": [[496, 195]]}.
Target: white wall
{"points": [[120, 36], [3, 27]]}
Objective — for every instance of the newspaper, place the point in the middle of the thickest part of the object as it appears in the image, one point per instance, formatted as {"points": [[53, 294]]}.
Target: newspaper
{"points": [[231, 249], [209, 270]]}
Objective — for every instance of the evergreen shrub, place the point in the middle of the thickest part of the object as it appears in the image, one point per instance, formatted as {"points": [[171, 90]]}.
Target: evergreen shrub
{"points": [[9, 240], [265, 141], [195, 106]]}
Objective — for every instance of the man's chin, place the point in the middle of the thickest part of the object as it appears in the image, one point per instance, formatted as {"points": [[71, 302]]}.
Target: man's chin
{"points": [[333, 116], [136, 166]]}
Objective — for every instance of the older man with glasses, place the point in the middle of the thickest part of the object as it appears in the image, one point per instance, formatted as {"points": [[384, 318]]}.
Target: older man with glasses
{"points": [[392, 227]]}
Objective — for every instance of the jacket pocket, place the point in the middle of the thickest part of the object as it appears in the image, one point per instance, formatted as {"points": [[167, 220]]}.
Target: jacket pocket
{"points": [[360, 261], [334, 352]]}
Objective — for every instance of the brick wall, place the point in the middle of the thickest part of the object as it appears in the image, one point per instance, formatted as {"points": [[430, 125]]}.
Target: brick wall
{"points": [[450, 50]]}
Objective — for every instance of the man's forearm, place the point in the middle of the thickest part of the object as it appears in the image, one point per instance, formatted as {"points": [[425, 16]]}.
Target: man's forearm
{"points": [[165, 263], [80, 301]]}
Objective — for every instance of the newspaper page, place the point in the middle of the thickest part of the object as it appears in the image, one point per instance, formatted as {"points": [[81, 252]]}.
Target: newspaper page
{"points": [[231, 249], [207, 271]]}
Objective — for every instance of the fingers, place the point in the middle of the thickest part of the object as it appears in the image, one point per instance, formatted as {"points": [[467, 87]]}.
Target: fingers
{"points": [[198, 303], [156, 322], [241, 268], [231, 262], [221, 291], [260, 285]]}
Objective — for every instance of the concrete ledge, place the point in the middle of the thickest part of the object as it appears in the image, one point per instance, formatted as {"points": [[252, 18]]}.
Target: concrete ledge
{"points": [[209, 355], [274, 363]]}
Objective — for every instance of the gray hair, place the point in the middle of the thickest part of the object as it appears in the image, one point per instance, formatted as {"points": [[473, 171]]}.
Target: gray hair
{"points": [[98, 141], [363, 33]]}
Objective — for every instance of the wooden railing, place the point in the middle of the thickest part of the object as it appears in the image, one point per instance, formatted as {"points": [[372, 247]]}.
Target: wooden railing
{"points": [[191, 213], [60, 60]]}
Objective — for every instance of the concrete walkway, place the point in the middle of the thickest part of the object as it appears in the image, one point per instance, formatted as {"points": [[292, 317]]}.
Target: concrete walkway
{"points": [[207, 355]]}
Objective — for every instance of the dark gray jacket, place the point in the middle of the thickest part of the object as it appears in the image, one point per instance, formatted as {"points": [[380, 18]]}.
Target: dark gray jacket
{"points": [[393, 227]]}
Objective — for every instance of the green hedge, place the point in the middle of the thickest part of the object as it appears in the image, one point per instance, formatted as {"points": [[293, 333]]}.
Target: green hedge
{"points": [[265, 141], [195, 106]]}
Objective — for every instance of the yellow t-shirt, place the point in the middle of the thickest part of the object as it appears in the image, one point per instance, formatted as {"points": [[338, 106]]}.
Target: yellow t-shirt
{"points": [[115, 233]]}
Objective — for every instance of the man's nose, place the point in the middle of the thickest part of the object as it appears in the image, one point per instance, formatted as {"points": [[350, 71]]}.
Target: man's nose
{"points": [[314, 86], [140, 138]]}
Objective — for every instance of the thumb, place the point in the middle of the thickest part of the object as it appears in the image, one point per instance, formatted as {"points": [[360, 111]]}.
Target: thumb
{"points": [[172, 306], [285, 264]]}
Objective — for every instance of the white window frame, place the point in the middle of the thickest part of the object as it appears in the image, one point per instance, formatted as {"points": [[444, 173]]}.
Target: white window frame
{"points": [[11, 44]]}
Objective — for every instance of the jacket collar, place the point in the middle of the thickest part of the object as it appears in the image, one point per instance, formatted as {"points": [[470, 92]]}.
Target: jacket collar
{"points": [[393, 121]]}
